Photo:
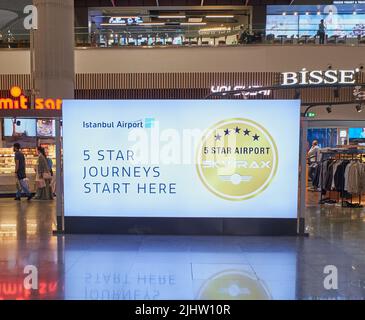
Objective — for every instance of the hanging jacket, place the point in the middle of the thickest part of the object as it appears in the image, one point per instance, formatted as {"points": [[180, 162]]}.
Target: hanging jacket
{"points": [[335, 167], [340, 176], [354, 177], [329, 176], [346, 175]]}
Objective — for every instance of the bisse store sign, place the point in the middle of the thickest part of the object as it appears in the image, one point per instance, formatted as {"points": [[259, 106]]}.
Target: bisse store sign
{"points": [[318, 77], [19, 101]]}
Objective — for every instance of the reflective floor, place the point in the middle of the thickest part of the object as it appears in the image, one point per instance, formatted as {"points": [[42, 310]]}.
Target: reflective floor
{"points": [[178, 267]]}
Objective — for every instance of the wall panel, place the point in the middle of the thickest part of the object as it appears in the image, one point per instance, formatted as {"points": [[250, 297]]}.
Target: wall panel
{"points": [[185, 85]]}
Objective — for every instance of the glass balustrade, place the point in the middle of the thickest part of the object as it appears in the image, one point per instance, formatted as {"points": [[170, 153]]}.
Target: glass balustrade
{"points": [[155, 36]]}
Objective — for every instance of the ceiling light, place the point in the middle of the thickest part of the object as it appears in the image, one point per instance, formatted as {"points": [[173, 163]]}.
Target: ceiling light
{"points": [[329, 109], [220, 17], [152, 24], [113, 24], [359, 108], [216, 29], [171, 17], [195, 19], [121, 17], [193, 23]]}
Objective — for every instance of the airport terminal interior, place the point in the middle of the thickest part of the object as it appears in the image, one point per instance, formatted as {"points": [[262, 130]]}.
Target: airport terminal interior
{"points": [[182, 149]]}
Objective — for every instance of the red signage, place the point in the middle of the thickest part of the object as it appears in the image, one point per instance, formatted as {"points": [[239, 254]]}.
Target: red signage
{"points": [[21, 102]]}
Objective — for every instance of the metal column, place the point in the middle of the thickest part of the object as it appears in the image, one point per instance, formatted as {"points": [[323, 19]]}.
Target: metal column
{"points": [[59, 179], [302, 177]]}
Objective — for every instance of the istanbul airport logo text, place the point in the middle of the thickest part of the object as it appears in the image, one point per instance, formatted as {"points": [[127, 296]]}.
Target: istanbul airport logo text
{"points": [[148, 123]]}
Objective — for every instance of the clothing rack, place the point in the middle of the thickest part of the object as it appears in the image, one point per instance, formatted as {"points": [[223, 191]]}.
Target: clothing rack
{"points": [[339, 154]]}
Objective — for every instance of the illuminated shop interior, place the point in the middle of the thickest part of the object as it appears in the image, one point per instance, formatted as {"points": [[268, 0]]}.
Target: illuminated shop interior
{"points": [[145, 26]]}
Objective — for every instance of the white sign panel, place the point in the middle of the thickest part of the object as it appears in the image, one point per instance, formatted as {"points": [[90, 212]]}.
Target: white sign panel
{"points": [[181, 158], [126, 20]]}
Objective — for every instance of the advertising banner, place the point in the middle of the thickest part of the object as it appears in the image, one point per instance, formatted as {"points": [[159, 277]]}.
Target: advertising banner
{"points": [[339, 24], [181, 158]]}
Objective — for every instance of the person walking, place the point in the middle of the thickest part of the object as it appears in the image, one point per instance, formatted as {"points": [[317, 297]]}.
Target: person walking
{"points": [[53, 180], [321, 32], [43, 177], [20, 166]]}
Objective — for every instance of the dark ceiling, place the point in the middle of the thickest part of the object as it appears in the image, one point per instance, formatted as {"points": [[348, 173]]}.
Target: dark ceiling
{"points": [[107, 3]]}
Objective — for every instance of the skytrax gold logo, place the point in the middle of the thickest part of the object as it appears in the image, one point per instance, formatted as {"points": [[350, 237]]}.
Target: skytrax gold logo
{"points": [[237, 159]]}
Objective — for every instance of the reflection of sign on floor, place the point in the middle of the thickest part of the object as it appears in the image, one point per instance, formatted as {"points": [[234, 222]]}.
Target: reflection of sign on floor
{"points": [[14, 290], [122, 286], [233, 285]]}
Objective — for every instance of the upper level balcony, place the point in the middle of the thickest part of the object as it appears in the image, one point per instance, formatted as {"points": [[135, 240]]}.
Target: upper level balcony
{"points": [[220, 36], [207, 26]]}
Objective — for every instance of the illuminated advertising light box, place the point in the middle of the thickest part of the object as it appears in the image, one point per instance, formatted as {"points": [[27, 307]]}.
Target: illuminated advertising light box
{"points": [[18, 127], [357, 133], [165, 277], [346, 24], [282, 25], [46, 128], [181, 158]]}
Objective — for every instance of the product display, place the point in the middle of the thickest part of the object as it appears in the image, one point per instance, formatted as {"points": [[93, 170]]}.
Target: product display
{"points": [[7, 164], [339, 170]]}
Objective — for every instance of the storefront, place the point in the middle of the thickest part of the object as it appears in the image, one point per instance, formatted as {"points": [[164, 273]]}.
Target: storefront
{"points": [[32, 122], [165, 26], [29, 133], [335, 168]]}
